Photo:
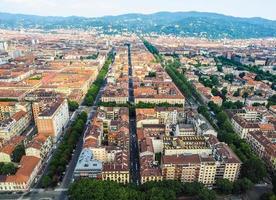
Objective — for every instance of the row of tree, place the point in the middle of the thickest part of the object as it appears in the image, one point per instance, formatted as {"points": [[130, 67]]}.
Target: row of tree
{"points": [[151, 48], [182, 83], [224, 186], [86, 189], [63, 154], [253, 167], [95, 87]]}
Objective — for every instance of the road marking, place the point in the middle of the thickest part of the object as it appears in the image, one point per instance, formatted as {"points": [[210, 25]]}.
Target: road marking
{"points": [[61, 189], [37, 190]]}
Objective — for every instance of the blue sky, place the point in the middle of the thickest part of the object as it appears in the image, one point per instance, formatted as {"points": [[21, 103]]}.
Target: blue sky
{"points": [[92, 8]]}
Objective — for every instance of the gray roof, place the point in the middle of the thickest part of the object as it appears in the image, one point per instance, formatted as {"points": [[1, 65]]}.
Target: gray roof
{"points": [[86, 161]]}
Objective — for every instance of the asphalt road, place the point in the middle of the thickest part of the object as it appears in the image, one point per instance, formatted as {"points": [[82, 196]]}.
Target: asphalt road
{"points": [[134, 149]]}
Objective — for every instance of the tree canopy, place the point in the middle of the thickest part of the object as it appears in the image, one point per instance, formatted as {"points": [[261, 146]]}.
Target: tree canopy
{"points": [[86, 189]]}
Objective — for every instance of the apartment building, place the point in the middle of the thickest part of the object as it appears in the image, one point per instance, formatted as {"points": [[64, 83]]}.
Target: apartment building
{"points": [[208, 169], [149, 169], [39, 146], [185, 145], [23, 178], [9, 146], [118, 170], [263, 147], [108, 140], [7, 109], [14, 125], [228, 163], [189, 168], [52, 120], [87, 166], [181, 167], [243, 126]]}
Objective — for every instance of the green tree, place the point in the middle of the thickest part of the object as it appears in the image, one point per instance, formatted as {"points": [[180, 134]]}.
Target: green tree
{"points": [[83, 116], [46, 181], [221, 117], [219, 68], [241, 75], [229, 77], [215, 92], [254, 169], [245, 95], [274, 183], [73, 105], [236, 93], [8, 169], [18, 152], [215, 80], [242, 185], [272, 100], [268, 196], [224, 186], [206, 194], [89, 100], [224, 93]]}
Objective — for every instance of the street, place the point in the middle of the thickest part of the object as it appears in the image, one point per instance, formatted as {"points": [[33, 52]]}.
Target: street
{"points": [[134, 150]]}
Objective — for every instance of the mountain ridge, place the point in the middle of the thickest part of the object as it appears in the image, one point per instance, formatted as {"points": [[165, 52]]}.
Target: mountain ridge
{"points": [[192, 23]]}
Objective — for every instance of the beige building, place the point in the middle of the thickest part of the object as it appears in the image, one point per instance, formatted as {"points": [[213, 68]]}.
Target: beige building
{"points": [[185, 145], [227, 162], [117, 173], [8, 109], [25, 175], [203, 169], [53, 120], [100, 153], [118, 170], [39, 147], [244, 124], [14, 125], [160, 100], [179, 167], [207, 171], [8, 148], [117, 99]]}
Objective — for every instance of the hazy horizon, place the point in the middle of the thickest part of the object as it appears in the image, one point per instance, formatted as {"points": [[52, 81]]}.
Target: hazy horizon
{"points": [[87, 8]]}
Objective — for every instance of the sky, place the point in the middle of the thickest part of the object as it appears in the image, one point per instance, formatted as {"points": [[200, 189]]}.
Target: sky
{"points": [[97, 8]]}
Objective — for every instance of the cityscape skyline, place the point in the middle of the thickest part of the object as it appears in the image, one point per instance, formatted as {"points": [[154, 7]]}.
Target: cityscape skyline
{"points": [[87, 8], [142, 100]]}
